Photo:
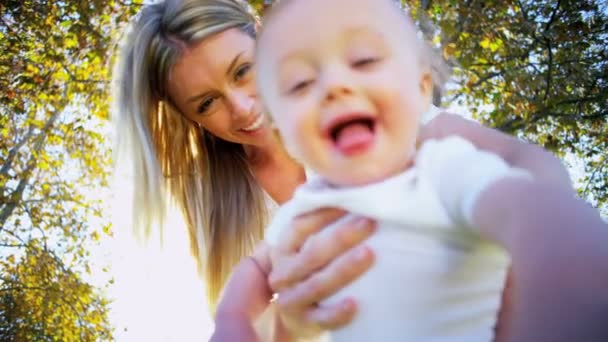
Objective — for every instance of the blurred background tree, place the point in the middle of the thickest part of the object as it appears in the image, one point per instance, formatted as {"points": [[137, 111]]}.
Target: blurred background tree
{"points": [[534, 69], [54, 160]]}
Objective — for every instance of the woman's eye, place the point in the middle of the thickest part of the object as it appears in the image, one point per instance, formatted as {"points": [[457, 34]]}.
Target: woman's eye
{"points": [[364, 62], [242, 71], [205, 105]]}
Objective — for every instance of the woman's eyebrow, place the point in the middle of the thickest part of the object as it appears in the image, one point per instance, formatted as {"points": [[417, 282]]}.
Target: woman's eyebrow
{"points": [[232, 65], [197, 97]]}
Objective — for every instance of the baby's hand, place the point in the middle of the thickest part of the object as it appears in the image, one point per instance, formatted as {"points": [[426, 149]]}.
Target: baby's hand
{"points": [[233, 327]]}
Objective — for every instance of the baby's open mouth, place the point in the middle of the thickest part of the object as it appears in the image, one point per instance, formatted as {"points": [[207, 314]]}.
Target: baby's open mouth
{"points": [[353, 134]]}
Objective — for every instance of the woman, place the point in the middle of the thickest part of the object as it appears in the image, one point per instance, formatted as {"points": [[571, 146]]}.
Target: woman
{"points": [[187, 111]]}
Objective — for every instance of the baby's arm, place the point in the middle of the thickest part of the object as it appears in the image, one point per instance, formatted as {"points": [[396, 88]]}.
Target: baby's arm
{"points": [[543, 165], [559, 259], [556, 241], [557, 245], [245, 296]]}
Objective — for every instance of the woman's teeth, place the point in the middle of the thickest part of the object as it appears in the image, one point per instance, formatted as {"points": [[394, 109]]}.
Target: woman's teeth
{"points": [[255, 125]]}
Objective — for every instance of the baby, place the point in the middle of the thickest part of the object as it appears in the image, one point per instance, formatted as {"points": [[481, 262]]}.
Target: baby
{"points": [[348, 93], [348, 83]]}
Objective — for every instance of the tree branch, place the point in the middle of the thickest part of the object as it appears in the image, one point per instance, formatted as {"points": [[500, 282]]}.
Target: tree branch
{"points": [[13, 245], [8, 162], [486, 78], [553, 16], [17, 195], [10, 30], [549, 70], [518, 122], [597, 169], [22, 288]]}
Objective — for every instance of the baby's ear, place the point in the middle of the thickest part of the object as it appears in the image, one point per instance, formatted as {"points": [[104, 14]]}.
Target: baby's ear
{"points": [[426, 89], [426, 85]]}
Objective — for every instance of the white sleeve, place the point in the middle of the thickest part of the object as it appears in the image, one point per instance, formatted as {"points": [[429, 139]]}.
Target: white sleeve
{"points": [[460, 172]]}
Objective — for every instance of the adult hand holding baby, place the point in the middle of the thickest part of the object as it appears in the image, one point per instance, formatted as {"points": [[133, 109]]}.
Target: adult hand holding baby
{"points": [[309, 267]]}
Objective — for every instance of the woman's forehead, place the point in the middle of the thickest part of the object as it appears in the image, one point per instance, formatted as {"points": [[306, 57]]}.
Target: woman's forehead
{"points": [[204, 65], [215, 53]]}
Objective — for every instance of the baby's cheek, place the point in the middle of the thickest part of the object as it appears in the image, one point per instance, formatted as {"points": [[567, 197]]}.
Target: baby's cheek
{"points": [[390, 101], [290, 138], [293, 140]]}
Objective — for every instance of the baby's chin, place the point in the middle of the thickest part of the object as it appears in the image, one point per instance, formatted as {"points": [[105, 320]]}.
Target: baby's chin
{"points": [[362, 175]]}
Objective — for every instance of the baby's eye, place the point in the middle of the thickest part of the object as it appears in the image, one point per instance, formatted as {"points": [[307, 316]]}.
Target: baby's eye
{"points": [[300, 86], [365, 62]]}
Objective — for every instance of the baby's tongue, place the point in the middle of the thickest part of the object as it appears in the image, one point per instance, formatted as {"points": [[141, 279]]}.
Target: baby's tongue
{"points": [[354, 137]]}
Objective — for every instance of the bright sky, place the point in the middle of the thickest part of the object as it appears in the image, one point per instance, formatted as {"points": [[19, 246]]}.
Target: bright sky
{"points": [[157, 294]]}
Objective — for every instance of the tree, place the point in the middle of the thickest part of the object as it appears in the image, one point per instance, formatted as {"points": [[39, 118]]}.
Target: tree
{"points": [[53, 160], [537, 69], [43, 300]]}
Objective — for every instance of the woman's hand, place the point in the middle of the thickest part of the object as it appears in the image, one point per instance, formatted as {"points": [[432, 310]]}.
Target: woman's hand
{"points": [[309, 267]]}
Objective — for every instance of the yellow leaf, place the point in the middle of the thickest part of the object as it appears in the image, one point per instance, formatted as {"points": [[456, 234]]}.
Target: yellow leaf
{"points": [[495, 45], [43, 165], [449, 50], [485, 43], [71, 43]]}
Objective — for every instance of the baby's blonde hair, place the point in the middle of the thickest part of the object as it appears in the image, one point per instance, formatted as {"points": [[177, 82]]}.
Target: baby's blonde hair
{"points": [[430, 57]]}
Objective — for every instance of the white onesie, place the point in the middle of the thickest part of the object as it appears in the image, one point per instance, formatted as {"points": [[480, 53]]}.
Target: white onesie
{"points": [[435, 278]]}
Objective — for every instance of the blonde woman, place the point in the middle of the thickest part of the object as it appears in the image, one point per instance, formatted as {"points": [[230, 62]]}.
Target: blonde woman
{"points": [[187, 111]]}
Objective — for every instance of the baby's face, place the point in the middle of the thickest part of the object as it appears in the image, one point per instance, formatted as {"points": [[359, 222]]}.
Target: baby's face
{"points": [[344, 84]]}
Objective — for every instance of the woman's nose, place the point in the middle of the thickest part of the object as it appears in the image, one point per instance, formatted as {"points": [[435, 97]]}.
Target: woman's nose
{"points": [[241, 104]]}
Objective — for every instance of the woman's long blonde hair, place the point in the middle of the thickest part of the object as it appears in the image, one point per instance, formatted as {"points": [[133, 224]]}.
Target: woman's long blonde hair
{"points": [[208, 178]]}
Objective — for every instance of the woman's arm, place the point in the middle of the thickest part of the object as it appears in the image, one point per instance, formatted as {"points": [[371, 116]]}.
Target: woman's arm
{"points": [[244, 298]]}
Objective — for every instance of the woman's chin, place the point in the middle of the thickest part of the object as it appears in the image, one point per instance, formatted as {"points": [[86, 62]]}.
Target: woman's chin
{"points": [[258, 137]]}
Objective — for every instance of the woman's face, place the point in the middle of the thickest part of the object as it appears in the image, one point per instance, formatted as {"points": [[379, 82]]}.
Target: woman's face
{"points": [[213, 84]]}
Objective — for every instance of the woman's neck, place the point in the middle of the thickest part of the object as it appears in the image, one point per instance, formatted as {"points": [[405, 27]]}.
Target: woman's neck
{"points": [[276, 172], [269, 153]]}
